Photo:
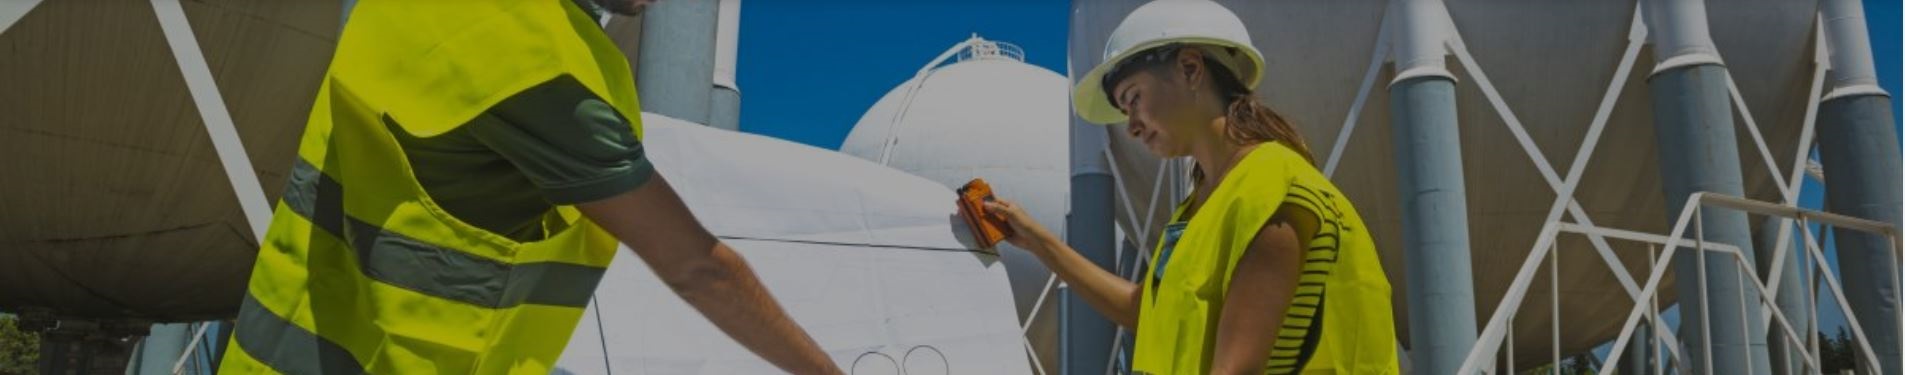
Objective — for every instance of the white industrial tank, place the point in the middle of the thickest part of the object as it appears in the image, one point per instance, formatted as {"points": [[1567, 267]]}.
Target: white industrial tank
{"points": [[867, 259], [980, 111]]}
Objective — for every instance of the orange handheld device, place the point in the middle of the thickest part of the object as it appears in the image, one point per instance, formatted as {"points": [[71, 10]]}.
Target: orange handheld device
{"points": [[987, 227]]}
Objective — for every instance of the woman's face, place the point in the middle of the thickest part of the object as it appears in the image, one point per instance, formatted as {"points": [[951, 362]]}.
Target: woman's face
{"points": [[1161, 109]]}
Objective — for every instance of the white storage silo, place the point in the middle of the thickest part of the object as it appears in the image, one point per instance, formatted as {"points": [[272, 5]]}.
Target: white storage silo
{"points": [[980, 111]]}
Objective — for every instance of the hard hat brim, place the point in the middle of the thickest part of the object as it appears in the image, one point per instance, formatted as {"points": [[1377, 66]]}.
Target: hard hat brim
{"points": [[1093, 106]]}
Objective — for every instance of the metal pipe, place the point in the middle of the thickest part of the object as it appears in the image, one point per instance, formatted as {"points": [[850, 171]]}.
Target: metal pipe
{"points": [[1423, 31], [724, 102], [676, 66], [1441, 293], [1636, 361], [1084, 333], [1859, 148], [1511, 345], [1678, 31], [1653, 318], [1826, 218], [160, 349], [191, 348], [1554, 304], [1850, 50], [1812, 305], [345, 16], [1694, 128], [724, 108], [1705, 298], [1792, 296]]}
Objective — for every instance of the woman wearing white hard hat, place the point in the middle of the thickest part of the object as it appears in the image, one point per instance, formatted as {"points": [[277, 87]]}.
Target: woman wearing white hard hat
{"points": [[1266, 267]]}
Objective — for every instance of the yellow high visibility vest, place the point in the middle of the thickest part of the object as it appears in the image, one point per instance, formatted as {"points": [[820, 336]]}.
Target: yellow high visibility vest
{"points": [[1342, 295], [361, 272]]}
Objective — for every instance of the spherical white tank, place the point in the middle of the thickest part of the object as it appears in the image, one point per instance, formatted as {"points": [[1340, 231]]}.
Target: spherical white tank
{"points": [[987, 115]]}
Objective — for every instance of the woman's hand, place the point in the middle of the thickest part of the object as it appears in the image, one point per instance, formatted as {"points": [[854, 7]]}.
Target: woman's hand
{"points": [[1026, 232], [1110, 294]]}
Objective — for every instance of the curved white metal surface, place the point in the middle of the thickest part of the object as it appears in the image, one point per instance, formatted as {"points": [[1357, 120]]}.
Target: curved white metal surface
{"points": [[1421, 51], [871, 261], [727, 42], [994, 118], [1681, 36], [1850, 49]]}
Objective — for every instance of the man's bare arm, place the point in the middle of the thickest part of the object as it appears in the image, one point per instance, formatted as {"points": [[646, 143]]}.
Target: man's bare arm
{"points": [[714, 279]]}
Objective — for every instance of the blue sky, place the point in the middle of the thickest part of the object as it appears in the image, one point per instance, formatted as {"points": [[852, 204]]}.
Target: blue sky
{"points": [[808, 69]]}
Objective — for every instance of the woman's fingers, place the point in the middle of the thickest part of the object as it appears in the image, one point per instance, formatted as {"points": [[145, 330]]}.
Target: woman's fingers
{"points": [[999, 205], [1008, 211], [1026, 230]]}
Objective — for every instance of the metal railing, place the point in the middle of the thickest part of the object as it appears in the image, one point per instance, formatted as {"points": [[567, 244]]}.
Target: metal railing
{"points": [[200, 353], [991, 49], [1499, 327]]}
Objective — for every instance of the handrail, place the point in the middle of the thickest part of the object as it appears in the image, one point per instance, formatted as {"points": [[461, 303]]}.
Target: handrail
{"points": [[190, 348], [1494, 332]]}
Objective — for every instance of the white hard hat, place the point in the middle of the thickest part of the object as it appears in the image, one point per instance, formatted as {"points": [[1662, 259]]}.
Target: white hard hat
{"points": [[1193, 23]]}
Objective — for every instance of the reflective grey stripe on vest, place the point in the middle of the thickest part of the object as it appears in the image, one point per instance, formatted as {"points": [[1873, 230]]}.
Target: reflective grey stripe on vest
{"points": [[430, 269], [286, 347]]}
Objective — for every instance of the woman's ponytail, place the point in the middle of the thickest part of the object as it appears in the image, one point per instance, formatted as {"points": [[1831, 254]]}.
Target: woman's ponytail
{"points": [[1247, 120], [1251, 122]]}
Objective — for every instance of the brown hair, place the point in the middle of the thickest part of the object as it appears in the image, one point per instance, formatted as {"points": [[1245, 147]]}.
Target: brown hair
{"points": [[1248, 120]]}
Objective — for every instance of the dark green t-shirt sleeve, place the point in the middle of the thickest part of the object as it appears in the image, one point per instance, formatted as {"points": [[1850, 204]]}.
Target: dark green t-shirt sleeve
{"points": [[572, 145]]}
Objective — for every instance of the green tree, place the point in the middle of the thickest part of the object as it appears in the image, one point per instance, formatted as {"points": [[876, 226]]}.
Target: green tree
{"points": [[1580, 364], [19, 350], [1838, 353]]}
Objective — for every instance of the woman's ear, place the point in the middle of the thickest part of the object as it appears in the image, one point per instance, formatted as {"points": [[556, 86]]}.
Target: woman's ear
{"points": [[1190, 67]]}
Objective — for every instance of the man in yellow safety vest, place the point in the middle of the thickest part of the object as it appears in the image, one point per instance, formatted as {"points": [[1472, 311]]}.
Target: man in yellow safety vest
{"points": [[463, 180]]}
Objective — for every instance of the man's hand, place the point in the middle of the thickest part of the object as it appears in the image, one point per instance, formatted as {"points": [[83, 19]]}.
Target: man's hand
{"points": [[714, 279]]}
